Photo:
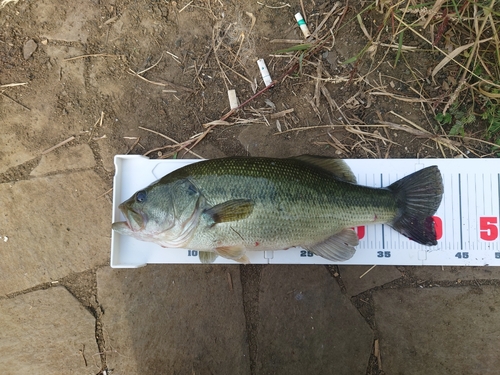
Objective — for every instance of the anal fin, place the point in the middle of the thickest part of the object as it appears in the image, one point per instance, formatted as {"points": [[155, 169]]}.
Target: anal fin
{"points": [[337, 248]]}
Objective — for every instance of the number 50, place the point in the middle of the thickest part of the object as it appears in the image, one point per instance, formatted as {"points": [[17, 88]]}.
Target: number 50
{"points": [[488, 229]]}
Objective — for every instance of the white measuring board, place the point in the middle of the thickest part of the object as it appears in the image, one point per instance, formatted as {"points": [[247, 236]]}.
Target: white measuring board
{"points": [[467, 221]]}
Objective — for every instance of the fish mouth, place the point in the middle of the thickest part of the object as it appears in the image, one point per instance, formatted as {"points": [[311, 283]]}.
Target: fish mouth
{"points": [[134, 220]]}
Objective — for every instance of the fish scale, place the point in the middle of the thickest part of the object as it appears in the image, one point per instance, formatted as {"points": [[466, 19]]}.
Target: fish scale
{"points": [[313, 204], [232, 205]]}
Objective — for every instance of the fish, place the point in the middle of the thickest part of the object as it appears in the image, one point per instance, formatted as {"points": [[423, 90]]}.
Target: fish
{"points": [[229, 206]]}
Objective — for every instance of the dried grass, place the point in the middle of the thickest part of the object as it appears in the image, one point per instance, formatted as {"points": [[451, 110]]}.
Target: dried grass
{"points": [[3, 3], [472, 23]]}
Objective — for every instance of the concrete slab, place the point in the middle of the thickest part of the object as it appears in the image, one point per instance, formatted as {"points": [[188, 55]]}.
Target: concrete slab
{"points": [[55, 225], [107, 152], [439, 330], [379, 275], [66, 71], [454, 273], [174, 319], [307, 326], [31, 125], [47, 332], [74, 25], [12, 150], [64, 159]]}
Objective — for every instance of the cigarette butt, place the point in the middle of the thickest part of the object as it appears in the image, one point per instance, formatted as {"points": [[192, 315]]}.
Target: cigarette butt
{"points": [[233, 99], [264, 72], [302, 24]]}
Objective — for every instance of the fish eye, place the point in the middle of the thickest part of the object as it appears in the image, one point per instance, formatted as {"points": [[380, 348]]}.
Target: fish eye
{"points": [[140, 196]]}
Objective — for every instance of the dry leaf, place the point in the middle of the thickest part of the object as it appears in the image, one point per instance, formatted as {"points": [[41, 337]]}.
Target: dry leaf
{"points": [[450, 57]]}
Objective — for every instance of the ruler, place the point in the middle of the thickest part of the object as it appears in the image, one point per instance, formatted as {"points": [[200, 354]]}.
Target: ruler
{"points": [[467, 222]]}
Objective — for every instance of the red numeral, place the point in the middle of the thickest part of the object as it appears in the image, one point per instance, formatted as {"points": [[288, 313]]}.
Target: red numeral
{"points": [[438, 227], [488, 229], [360, 231]]}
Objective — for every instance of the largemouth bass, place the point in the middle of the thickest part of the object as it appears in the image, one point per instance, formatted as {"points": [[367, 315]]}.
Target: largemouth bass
{"points": [[226, 207]]}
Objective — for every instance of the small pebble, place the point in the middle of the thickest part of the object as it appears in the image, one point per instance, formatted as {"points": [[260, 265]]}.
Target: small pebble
{"points": [[29, 48]]}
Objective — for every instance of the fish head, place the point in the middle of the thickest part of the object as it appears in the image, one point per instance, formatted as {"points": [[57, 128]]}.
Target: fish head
{"points": [[161, 213]]}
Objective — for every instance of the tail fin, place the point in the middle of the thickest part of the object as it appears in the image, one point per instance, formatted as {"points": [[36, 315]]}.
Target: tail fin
{"points": [[418, 197]]}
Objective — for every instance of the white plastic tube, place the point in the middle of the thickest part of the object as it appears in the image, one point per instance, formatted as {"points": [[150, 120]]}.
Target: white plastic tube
{"points": [[302, 24], [233, 99], [264, 72]]}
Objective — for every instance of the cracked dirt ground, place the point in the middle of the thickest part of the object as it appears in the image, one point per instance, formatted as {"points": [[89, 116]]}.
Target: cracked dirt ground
{"points": [[64, 310]]}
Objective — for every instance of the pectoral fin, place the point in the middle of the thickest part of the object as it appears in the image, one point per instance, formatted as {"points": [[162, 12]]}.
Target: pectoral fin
{"points": [[236, 253], [337, 248], [232, 210], [207, 257]]}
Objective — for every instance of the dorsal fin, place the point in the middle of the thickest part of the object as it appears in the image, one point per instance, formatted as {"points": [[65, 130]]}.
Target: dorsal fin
{"points": [[337, 167]]}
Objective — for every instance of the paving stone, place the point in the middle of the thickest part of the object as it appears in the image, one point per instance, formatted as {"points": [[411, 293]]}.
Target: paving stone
{"points": [[12, 151], [73, 27], [24, 133], [108, 152], [207, 151], [379, 275], [79, 156], [454, 273], [439, 330], [307, 326], [70, 72], [47, 332], [174, 319], [55, 225]]}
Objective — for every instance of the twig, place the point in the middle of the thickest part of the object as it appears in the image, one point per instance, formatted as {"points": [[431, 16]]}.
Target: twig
{"points": [[230, 281], [215, 48], [58, 145], [185, 6], [274, 7], [281, 113], [364, 274], [288, 41], [15, 101], [181, 145], [160, 83], [238, 74], [83, 355], [133, 145], [151, 67], [234, 110], [106, 192], [92, 55], [13, 85], [333, 104], [400, 97], [303, 10], [322, 23], [318, 84], [376, 353]]}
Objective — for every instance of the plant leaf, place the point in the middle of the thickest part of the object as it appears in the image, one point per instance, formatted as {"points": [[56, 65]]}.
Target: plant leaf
{"points": [[298, 47], [451, 56]]}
